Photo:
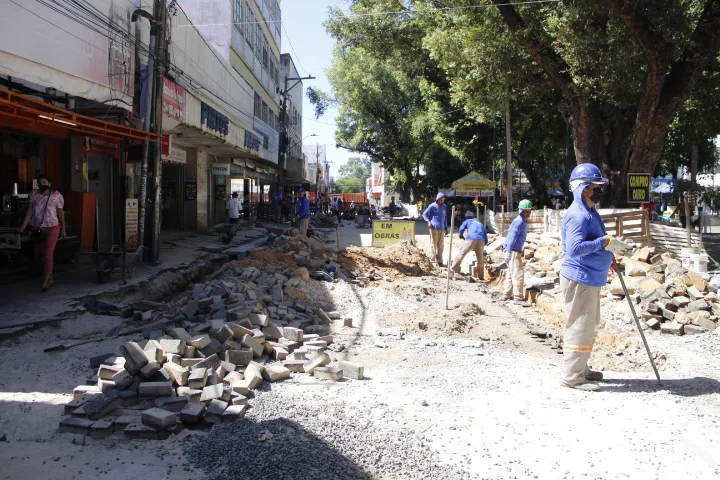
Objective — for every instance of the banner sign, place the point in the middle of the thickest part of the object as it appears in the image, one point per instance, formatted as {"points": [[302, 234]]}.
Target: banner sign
{"points": [[638, 187], [392, 232], [190, 188], [173, 100], [101, 146], [131, 223]]}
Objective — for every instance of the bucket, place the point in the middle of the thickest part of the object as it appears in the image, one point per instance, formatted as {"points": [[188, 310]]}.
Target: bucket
{"points": [[686, 254], [699, 263]]}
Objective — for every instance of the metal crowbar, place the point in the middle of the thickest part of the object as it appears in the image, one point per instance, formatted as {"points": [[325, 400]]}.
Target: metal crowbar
{"points": [[637, 321]]}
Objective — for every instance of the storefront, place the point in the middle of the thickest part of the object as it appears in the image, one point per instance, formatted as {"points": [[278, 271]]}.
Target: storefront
{"points": [[83, 155]]}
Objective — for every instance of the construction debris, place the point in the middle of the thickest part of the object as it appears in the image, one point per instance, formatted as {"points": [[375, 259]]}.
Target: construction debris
{"points": [[236, 332]]}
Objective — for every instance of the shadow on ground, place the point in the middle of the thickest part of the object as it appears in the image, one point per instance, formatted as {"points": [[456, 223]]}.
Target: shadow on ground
{"points": [[274, 449], [683, 387]]}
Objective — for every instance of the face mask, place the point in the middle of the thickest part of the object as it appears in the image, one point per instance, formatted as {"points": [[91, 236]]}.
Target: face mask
{"points": [[597, 195], [43, 188]]}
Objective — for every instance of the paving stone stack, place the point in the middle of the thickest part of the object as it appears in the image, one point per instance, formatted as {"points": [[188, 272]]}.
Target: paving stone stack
{"points": [[232, 335]]}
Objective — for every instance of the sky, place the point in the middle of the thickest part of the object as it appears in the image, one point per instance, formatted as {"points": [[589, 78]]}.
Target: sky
{"points": [[305, 39]]}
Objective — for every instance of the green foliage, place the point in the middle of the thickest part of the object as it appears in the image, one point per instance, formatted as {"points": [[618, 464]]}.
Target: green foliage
{"points": [[360, 168], [711, 196], [349, 185]]}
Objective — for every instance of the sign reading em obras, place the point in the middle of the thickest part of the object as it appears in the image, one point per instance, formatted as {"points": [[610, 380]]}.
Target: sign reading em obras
{"points": [[390, 233], [638, 187]]}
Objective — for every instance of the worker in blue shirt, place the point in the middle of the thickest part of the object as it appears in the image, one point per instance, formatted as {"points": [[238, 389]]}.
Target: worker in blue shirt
{"points": [[435, 215], [277, 203], [474, 240], [302, 212], [587, 255], [514, 243]]}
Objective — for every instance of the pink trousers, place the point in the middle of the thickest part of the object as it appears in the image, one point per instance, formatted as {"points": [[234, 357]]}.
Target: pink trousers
{"points": [[47, 247]]}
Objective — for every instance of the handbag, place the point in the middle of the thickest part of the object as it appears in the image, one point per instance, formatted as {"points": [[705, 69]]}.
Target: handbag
{"points": [[36, 232]]}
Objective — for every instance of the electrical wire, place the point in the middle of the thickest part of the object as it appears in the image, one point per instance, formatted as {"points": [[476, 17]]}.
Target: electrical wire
{"points": [[293, 50], [400, 12]]}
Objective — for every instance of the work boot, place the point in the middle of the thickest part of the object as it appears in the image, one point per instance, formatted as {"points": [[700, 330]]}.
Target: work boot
{"points": [[593, 376], [522, 303], [585, 387]]}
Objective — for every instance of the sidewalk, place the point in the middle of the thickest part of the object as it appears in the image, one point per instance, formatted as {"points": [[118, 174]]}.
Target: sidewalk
{"points": [[24, 302]]}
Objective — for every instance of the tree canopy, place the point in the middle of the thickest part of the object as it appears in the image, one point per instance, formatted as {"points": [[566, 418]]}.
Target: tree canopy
{"points": [[630, 86]]}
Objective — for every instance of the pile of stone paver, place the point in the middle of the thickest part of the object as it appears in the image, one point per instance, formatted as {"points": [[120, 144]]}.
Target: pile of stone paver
{"points": [[667, 295], [198, 365]]}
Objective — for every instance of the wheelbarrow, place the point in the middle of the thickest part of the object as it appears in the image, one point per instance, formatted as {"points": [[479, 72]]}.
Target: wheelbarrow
{"points": [[105, 264]]}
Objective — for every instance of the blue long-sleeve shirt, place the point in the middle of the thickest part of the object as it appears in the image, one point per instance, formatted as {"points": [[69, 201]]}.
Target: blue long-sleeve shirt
{"points": [[303, 208], [585, 260], [435, 215], [475, 230], [517, 235]]}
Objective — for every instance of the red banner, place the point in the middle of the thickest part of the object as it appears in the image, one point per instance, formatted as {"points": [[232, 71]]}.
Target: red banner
{"points": [[173, 100], [101, 146]]}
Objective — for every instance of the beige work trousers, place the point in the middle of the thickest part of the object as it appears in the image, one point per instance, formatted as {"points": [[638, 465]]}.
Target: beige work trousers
{"points": [[438, 240], [515, 276], [304, 222], [582, 313], [477, 246]]}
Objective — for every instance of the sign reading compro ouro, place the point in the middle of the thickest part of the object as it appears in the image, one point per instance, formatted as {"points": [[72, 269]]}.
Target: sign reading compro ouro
{"points": [[638, 187], [392, 232], [221, 169]]}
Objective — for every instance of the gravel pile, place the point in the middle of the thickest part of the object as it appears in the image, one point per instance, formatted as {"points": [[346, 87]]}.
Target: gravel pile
{"points": [[284, 440]]}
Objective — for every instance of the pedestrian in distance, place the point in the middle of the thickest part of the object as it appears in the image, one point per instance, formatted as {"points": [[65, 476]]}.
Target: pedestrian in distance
{"points": [[587, 256], [302, 212], [435, 215], [285, 209], [392, 207], [474, 241], [46, 218], [513, 246], [277, 204], [234, 207]]}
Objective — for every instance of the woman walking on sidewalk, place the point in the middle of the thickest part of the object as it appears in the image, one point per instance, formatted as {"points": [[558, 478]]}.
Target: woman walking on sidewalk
{"points": [[47, 219]]}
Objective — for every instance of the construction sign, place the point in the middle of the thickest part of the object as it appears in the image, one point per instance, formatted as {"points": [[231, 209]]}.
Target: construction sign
{"points": [[387, 233], [639, 187]]}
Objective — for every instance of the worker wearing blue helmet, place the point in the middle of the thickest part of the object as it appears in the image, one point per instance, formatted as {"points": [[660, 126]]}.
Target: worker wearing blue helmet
{"points": [[587, 255]]}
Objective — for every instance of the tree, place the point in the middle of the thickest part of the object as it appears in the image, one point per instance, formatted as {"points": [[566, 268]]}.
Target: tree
{"points": [[360, 168], [381, 112], [660, 49], [349, 185]]}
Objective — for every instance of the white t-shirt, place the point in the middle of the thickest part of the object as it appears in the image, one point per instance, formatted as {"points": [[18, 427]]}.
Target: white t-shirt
{"points": [[234, 207]]}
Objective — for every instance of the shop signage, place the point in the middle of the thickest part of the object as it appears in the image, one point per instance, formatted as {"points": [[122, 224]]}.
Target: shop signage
{"points": [[190, 188], [176, 154], [173, 100], [390, 233], [131, 223], [221, 169], [638, 187], [101, 146], [213, 120]]}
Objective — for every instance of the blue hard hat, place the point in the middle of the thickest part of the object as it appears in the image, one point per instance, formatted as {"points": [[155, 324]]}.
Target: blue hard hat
{"points": [[587, 172], [301, 190]]}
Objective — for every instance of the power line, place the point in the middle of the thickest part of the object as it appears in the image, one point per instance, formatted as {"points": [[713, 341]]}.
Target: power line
{"points": [[293, 50]]}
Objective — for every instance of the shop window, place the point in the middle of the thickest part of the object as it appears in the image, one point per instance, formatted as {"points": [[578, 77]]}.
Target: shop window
{"points": [[257, 111], [238, 18]]}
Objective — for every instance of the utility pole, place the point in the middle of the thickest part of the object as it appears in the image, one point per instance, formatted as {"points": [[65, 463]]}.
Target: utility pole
{"points": [[161, 48], [282, 150], [147, 125], [508, 157]]}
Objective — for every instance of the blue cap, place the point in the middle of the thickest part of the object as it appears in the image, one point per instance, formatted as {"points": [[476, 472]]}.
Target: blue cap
{"points": [[301, 190]]}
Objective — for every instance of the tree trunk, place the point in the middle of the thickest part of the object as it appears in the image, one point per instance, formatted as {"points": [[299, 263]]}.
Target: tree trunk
{"points": [[694, 161], [537, 183]]}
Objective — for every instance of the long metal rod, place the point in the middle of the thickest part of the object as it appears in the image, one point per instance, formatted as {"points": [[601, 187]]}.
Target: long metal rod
{"points": [[149, 102], [637, 322], [449, 263]]}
